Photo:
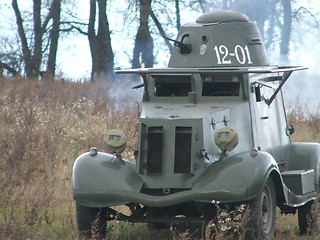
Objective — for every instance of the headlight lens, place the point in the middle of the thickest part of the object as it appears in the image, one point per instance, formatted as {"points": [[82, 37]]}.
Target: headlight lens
{"points": [[115, 141], [226, 138]]}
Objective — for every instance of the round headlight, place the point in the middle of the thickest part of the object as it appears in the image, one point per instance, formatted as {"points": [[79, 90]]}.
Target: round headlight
{"points": [[115, 141], [226, 138]]}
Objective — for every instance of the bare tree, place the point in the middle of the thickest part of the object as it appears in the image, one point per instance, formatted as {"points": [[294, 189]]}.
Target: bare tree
{"points": [[100, 41], [32, 50], [143, 48]]}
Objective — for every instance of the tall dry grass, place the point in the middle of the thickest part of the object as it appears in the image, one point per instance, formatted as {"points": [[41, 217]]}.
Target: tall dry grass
{"points": [[44, 126], [306, 120]]}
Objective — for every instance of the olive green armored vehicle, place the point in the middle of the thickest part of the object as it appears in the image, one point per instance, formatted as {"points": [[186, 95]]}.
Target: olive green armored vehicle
{"points": [[213, 134]]}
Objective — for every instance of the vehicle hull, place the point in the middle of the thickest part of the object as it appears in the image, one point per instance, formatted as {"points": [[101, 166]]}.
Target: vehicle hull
{"points": [[102, 180]]}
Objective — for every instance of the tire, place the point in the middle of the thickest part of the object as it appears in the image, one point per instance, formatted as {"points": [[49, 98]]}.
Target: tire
{"points": [[261, 222], [309, 218], [92, 222]]}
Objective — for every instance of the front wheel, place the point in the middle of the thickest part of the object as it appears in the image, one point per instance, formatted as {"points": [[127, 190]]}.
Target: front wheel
{"points": [[92, 222], [309, 218], [261, 221]]}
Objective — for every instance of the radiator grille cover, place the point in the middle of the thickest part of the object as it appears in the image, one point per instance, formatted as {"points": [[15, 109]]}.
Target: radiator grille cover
{"points": [[155, 146], [182, 157]]}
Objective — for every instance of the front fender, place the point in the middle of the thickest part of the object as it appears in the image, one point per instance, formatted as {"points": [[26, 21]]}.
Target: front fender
{"points": [[102, 180], [102, 173], [237, 178]]}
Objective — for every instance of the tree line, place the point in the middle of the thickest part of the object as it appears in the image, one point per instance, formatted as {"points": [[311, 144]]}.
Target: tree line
{"points": [[40, 29]]}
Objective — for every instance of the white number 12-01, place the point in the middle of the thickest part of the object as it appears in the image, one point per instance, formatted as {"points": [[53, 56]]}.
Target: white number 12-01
{"points": [[241, 54]]}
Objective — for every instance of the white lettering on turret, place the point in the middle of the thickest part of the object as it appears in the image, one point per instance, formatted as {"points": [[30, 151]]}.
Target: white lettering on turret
{"points": [[240, 54]]}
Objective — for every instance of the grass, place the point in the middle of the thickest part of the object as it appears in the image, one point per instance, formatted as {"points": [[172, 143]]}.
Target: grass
{"points": [[46, 125]]}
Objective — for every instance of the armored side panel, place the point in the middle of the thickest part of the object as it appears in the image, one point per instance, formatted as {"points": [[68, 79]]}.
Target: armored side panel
{"points": [[223, 38]]}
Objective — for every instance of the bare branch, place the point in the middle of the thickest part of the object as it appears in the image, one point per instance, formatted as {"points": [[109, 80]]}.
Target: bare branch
{"points": [[8, 68], [74, 22], [304, 10], [73, 27], [161, 30]]}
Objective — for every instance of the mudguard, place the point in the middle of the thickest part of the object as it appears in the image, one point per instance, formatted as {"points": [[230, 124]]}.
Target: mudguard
{"points": [[103, 180], [95, 176], [238, 178]]}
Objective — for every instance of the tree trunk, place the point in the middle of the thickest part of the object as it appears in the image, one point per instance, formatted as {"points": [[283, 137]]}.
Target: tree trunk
{"points": [[269, 32], [178, 21], [54, 38], [203, 5], [33, 58], [285, 31], [38, 34], [225, 4], [143, 48], [24, 43], [255, 10], [100, 43]]}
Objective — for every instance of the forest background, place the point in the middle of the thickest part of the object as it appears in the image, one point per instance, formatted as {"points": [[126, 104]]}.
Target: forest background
{"points": [[53, 109], [88, 40]]}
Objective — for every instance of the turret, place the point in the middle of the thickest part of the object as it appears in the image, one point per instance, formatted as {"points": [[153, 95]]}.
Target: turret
{"points": [[219, 39]]}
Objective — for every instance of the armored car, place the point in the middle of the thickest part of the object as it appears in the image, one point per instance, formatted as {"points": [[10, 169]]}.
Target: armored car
{"points": [[212, 132]]}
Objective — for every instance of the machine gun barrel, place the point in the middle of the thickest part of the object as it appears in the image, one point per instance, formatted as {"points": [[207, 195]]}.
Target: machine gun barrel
{"points": [[185, 48]]}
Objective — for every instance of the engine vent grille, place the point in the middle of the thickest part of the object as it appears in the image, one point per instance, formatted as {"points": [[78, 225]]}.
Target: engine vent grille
{"points": [[155, 146], [182, 157]]}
